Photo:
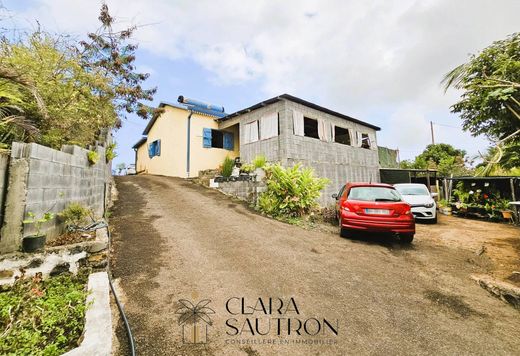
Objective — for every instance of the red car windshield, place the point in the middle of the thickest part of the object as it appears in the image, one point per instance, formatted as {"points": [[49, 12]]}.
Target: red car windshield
{"points": [[374, 194]]}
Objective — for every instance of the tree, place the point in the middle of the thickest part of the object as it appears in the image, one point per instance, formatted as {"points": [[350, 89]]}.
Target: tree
{"points": [[490, 104], [443, 157], [439, 152], [110, 53]]}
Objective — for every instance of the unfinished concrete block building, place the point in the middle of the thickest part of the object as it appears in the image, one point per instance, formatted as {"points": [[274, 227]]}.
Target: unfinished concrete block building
{"points": [[289, 130]]}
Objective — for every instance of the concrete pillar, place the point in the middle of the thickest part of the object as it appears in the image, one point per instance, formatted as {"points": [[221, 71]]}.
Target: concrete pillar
{"points": [[12, 229]]}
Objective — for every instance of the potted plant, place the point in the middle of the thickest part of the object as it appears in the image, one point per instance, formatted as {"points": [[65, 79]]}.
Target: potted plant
{"points": [[36, 241], [259, 162], [503, 206], [247, 168], [444, 207], [462, 196]]}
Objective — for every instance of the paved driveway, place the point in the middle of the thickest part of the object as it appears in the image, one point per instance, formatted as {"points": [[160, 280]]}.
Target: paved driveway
{"points": [[175, 240]]}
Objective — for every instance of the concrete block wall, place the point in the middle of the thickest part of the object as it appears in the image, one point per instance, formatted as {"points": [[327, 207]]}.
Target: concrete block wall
{"points": [[273, 147], [47, 180], [337, 162]]}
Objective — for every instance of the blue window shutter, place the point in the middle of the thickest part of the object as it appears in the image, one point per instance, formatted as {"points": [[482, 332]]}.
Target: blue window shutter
{"points": [[228, 140], [150, 150], [206, 138], [158, 147]]}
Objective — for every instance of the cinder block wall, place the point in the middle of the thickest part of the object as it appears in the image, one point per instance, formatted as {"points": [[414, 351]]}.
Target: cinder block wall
{"points": [[42, 179], [337, 162]]}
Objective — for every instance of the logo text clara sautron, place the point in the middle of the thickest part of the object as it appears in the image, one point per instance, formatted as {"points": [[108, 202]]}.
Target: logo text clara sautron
{"points": [[275, 317]]}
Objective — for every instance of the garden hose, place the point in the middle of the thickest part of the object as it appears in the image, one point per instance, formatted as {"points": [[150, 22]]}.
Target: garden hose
{"points": [[119, 306]]}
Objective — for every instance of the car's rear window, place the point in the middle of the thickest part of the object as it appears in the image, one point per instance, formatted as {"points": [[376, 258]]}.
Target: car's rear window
{"points": [[373, 194], [412, 190]]}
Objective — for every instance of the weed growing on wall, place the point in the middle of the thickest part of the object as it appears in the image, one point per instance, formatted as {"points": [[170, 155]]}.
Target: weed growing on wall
{"points": [[93, 157], [110, 152]]}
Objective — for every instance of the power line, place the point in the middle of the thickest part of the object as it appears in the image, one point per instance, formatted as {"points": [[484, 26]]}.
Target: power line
{"points": [[437, 124]]}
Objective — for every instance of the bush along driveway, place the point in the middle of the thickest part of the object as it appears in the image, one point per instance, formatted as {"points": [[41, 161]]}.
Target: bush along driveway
{"points": [[262, 287]]}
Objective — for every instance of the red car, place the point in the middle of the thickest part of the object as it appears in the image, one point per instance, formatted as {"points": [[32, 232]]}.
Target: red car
{"points": [[374, 207]]}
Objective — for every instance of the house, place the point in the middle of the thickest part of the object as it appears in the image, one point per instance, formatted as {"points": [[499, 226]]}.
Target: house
{"points": [[285, 129], [183, 140]]}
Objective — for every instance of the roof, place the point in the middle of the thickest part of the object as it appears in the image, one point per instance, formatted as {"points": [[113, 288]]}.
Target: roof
{"points": [[484, 178], [162, 104], [299, 101], [410, 169], [139, 143]]}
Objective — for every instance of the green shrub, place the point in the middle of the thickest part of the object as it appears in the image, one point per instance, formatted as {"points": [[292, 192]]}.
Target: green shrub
{"points": [[75, 214], [110, 152], [42, 317], [259, 161], [227, 167], [93, 157], [290, 191]]}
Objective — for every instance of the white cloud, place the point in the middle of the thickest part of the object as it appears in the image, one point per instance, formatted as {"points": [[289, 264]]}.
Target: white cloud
{"points": [[357, 57]]}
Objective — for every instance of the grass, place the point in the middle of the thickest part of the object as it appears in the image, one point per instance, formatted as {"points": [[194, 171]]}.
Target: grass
{"points": [[43, 317]]}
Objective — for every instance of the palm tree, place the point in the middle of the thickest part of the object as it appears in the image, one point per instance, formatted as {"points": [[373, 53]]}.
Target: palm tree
{"points": [[14, 125]]}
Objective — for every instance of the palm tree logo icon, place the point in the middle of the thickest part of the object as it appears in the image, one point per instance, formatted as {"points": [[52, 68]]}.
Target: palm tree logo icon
{"points": [[194, 320]]}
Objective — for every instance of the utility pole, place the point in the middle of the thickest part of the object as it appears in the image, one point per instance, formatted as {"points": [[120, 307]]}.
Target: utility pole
{"points": [[398, 158], [431, 128]]}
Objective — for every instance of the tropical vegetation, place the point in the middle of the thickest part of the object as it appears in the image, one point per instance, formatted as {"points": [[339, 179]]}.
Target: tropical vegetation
{"points": [[291, 191], [443, 157], [490, 103], [54, 90]]}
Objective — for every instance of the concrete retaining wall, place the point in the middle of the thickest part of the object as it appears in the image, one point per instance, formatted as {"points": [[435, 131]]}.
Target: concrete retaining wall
{"points": [[97, 339], [42, 179], [56, 260], [245, 190]]}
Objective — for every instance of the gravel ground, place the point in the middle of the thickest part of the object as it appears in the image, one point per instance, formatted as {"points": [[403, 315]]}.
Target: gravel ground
{"points": [[176, 240]]}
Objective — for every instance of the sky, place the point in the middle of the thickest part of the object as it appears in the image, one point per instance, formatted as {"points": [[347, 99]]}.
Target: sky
{"points": [[378, 61]]}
